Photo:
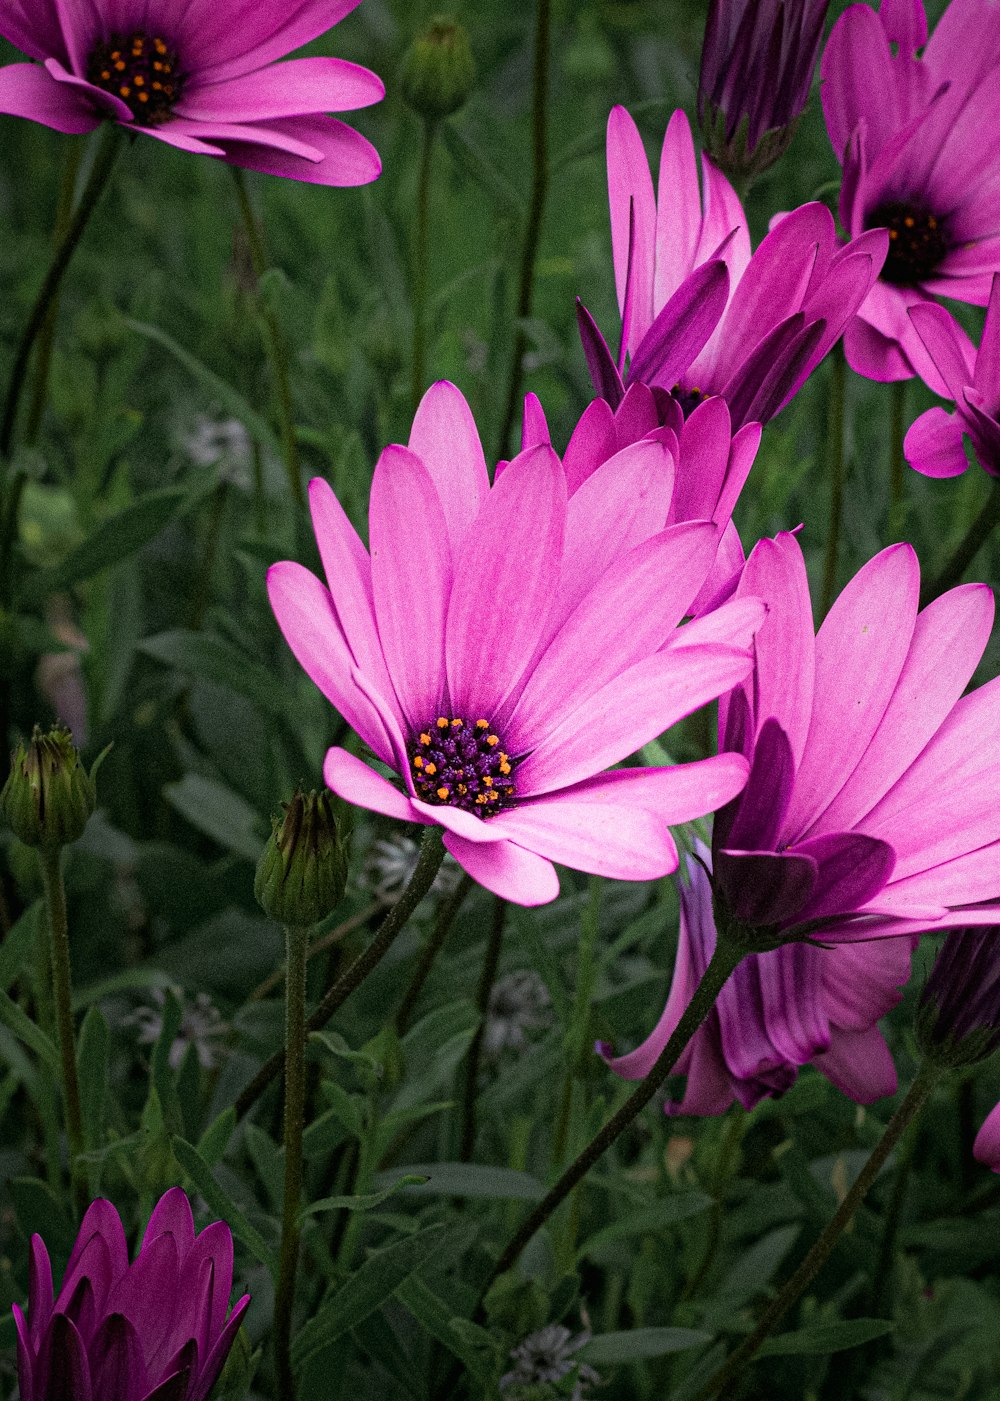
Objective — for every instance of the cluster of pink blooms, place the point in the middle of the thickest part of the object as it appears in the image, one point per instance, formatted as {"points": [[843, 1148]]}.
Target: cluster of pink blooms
{"points": [[508, 641]]}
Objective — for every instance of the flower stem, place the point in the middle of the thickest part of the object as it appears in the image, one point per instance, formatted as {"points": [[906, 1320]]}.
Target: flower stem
{"points": [[897, 462], [725, 958], [836, 436], [445, 919], [487, 978], [427, 867], [50, 859], [536, 210], [296, 945], [916, 1097], [64, 212], [326, 941], [276, 343], [103, 164], [421, 260], [976, 536]]}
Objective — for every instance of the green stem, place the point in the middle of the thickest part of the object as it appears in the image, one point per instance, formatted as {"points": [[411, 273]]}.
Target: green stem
{"points": [[836, 436], [976, 536], [576, 1036], [276, 343], [724, 960], [817, 1257], [50, 859], [427, 867], [536, 210], [487, 977], [897, 462], [94, 188], [445, 919], [296, 944], [421, 260], [213, 529], [48, 1108]]}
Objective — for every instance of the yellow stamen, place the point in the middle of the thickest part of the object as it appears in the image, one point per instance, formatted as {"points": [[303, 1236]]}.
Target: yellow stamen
{"points": [[443, 794], [493, 740], [482, 724], [431, 770], [418, 763], [442, 723]]}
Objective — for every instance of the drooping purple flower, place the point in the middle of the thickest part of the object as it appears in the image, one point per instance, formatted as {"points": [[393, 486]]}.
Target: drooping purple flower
{"points": [[757, 63], [934, 443], [198, 74], [158, 1329], [703, 316], [916, 139], [502, 646], [793, 1006]]}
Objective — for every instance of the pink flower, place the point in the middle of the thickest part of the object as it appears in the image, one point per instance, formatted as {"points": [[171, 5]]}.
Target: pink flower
{"points": [[987, 1145], [701, 315], [197, 74], [916, 138], [149, 1331], [780, 1010], [504, 645], [934, 444]]}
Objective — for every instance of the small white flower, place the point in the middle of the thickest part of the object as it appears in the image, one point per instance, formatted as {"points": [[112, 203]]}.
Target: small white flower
{"points": [[547, 1357], [519, 1005], [201, 1026], [391, 862]]}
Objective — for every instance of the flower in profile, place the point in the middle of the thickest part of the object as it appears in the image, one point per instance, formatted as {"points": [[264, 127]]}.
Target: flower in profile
{"points": [[200, 76], [545, 1364], [757, 63], [701, 314], [147, 1331], [480, 653], [915, 139], [792, 1006], [934, 443]]}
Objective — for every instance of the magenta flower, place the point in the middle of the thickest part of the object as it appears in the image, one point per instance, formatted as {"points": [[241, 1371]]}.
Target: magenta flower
{"points": [[871, 806], [504, 645], [701, 315], [987, 1145], [915, 137], [155, 1330], [796, 1005], [934, 443], [197, 74]]}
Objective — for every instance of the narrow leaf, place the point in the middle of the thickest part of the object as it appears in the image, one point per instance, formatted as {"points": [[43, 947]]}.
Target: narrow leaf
{"points": [[639, 1344], [220, 1202], [214, 659], [823, 1338], [25, 1030], [364, 1202]]}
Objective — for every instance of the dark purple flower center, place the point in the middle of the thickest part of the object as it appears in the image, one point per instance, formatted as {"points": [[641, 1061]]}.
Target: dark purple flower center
{"points": [[688, 399], [462, 766], [917, 243], [142, 70]]}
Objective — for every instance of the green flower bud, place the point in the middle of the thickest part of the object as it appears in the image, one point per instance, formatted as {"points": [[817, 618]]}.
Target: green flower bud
{"points": [[438, 70], [302, 872], [49, 794]]}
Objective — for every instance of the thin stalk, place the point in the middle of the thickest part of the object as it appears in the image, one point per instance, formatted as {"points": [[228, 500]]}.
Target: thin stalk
{"points": [[835, 440], [427, 867], [487, 977], [536, 210], [976, 536], [213, 530], [897, 462], [48, 1107], [446, 914], [64, 212], [421, 259], [724, 960], [731, 1141], [107, 151], [326, 941], [576, 1035], [296, 945], [276, 343], [50, 859], [817, 1257]]}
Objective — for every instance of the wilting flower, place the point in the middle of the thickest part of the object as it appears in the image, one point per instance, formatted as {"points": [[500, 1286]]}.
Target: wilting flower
{"points": [[201, 1027], [915, 137], [934, 444], [198, 74], [503, 646], [155, 1330], [701, 315], [757, 63], [547, 1357], [793, 1006]]}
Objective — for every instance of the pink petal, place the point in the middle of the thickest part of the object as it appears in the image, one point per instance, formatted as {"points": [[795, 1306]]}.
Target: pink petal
{"points": [[172, 1216], [342, 155], [765, 887], [947, 344], [853, 869], [791, 993], [677, 794], [445, 438], [353, 780], [633, 205], [681, 329], [33, 27], [860, 1064], [613, 839], [28, 91], [678, 210], [962, 880], [986, 1148], [592, 442], [987, 372], [507, 870], [858, 80], [262, 35], [290, 89], [463, 824], [934, 446], [146, 1295], [67, 1375], [534, 427], [703, 459], [216, 1359], [862, 982], [116, 1360], [40, 1295]]}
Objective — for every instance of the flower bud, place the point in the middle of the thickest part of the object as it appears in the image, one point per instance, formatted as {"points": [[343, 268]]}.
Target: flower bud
{"points": [[438, 70], [302, 872], [49, 795], [958, 1019]]}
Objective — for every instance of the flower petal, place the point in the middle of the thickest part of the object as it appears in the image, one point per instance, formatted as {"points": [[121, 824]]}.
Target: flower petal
{"points": [[290, 89], [853, 869], [933, 444], [986, 1148], [445, 438], [354, 781], [116, 1361], [345, 157], [28, 91], [765, 887], [506, 869], [614, 839], [683, 326], [263, 34], [860, 1064], [171, 1216], [63, 1372], [633, 209]]}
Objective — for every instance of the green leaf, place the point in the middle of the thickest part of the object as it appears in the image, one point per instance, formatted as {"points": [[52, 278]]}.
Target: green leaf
{"points": [[658, 1216], [214, 659], [215, 1140], [362, 1203], [92, 1060], [466, 154], [471, 1180], [823, 1338], [220, 813], [468, 1342], [39, 1209], [366, 1290], [113, 540], [221, 1203], [162, 1073], [25, 1030], [18, 945], [639, 1344]]}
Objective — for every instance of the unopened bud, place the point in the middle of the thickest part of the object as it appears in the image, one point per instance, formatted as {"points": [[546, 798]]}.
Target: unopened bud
{"points": [[438, 70], [302, 873], [49, 795], [958, 1020]]}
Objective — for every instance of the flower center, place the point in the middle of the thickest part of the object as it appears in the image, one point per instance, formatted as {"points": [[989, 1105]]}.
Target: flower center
{"points": [[917, 243], [462, 766], [688, 399], [141, 70]]}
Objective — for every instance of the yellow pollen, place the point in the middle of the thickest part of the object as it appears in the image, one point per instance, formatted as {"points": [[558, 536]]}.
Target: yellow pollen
{"points": [[893, 234], [125, 90], [931, 222], [481, 799], [493, 740], [139, 80], [443, 794], [425, 739], [457, 724], [909, 221], [106, 75], [418, 763], [116, 55], [482, 724], [120, 65], [157, 87], [160, 46], [491, 796], [431, 770], [505, 769], [144, 97], [442, 723], [462, 789], [488, 782]]}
